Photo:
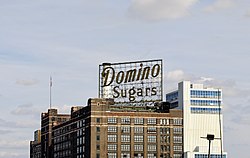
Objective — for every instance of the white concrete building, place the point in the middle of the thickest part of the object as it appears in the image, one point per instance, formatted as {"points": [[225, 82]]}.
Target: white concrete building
{"points": [[202, 116]]}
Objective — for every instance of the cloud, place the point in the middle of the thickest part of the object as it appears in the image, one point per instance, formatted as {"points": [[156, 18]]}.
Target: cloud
{"points": [[5, 132], [26, 109], [27, 82], [4, 154], [65, 109], [18, 124], [219, 5], [17, 144], [229, 86], [160, 9]]}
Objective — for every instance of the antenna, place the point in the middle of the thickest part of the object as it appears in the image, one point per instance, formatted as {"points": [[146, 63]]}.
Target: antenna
{"points": [[221, 148], [50, 85]]}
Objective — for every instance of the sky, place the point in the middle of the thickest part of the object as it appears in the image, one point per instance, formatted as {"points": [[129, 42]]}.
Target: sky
{"points": [[204, 41]]}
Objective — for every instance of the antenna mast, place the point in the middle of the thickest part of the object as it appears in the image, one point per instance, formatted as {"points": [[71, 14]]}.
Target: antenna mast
{"points": [[50, 85], [219, 102]]}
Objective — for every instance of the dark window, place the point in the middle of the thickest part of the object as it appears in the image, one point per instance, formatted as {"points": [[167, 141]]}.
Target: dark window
{"points": [[98, 120], [97, 129]]}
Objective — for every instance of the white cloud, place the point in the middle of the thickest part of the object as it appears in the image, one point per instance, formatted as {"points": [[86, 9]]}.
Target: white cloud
{"points": [[27, 82], [18, 124], [219, 5], [26, 109], [229, 87], [65, 109], [176, 75], [160, 9], [5, 131], [17, 144], [4, 154]]}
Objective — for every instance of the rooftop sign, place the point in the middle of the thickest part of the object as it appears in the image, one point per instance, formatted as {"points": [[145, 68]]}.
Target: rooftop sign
{"points": [[136, 83]]}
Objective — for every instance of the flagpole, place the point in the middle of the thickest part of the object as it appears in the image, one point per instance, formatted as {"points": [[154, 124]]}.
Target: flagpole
{"points": [[50, 85]]}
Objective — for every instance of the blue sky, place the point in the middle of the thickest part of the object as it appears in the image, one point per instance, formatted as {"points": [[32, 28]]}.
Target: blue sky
{"points": [[202, 41]]}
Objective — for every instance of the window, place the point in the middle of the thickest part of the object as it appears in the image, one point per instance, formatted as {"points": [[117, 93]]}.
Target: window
{"points": [[112, 129], [111, 138], [164, 121], [164, 130], [125, 138], [151, 139], [97, 155], [125, 129], [212, 156], [138, 155], [165, 148], [97, 147], [178, 148], [138, 138], [112, 147], [205, 110], [125, 120], [151, 147], [138, 121], [165, 139], [112, 120], [177, 121], [151, 129], [138, 129], [138, 147], [97, 129], [125, 155], [98, 120], [111, 155], [151, 155], [98, 138], [152, 121], [177, 130], [177, 139], [125, 147]]}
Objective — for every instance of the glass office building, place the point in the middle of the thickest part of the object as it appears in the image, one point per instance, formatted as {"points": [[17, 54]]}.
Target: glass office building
{"points": [[202, 115]]}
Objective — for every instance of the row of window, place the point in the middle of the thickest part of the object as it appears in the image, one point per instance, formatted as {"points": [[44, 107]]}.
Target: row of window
{"points": [[80, 141], [139, 129], [137, 138], [64, 153], [211, 156], [172, 96], [61, 138], [62, 146], [205, 94], [151, 148], [140, 138], [205, 102], [205, 110], [140, 155], [127, 155], [126, 147], [140, 121], [80, 123], [62, 130]]}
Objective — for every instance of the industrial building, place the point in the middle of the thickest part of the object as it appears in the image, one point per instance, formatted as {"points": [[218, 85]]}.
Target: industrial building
{"points": [[102, 129]]}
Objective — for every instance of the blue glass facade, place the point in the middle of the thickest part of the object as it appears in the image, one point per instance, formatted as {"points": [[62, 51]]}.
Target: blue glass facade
{"points": [[172, 96], [205, 94], [211, 156], [205, 102], [205, 110]]}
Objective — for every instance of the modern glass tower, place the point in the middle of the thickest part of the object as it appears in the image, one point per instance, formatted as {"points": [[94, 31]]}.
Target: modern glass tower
{"points": [[202, 107]]}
